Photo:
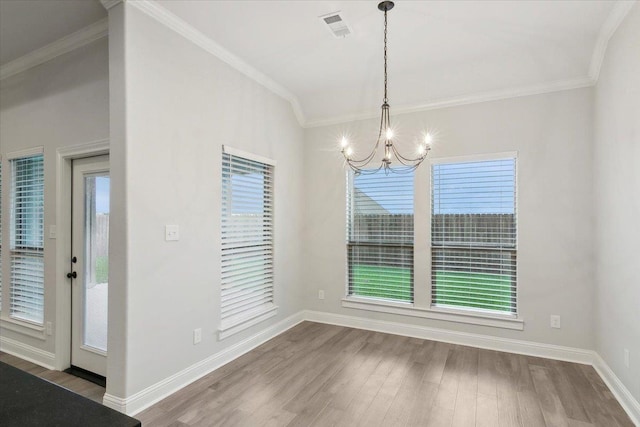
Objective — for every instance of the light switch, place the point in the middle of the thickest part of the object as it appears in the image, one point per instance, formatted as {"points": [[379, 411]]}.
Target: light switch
{"points": [[171, 233], [53, 231]]}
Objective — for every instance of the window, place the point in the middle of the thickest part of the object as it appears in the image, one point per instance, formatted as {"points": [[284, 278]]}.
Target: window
{"points": [[473, 235], [247, 237], [27, 238], [380, 235]]}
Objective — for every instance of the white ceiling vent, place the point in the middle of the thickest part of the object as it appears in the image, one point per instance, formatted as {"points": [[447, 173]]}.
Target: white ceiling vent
{"points": [[336, 24]]}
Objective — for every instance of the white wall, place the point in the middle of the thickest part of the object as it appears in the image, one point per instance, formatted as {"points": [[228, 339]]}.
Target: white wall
{"points": [[552, 134], [173, 107], [179, 105], [61, 103], [617, 202]]}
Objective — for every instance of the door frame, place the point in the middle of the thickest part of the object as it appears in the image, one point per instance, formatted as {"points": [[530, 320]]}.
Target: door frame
{"points": [[84, 356], [64, 172]]}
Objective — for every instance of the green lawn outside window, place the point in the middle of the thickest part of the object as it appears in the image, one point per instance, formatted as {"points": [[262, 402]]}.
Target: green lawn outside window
{"points": [[454, 288]]}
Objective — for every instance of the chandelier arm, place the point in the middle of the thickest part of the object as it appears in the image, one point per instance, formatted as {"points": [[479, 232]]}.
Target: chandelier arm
{"points": [[401, 170], [408, 165], [360, 171], [405, 163], [403, 159], [371, 155], [405, 170], [408, 161], [375, 147], [365, 160], [400, 158]]}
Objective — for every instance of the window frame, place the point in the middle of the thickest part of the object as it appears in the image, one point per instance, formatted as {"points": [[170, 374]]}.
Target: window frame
{"points": [[9, 321], [351, 243], [422, 308], [232, 325], [476, 159]]}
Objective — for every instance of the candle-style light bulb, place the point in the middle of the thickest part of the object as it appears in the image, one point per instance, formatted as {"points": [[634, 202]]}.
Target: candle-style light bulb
{"points": [[344, 142], [428, 139], [389, 133], [348, 151]]}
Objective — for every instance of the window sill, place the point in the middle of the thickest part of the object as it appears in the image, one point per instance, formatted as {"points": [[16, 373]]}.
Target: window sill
{"points": [[23, 328], [407, 309], [232, 326]]}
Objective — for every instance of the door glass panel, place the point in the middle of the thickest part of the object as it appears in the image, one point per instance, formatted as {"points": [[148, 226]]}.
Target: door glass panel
{"points": [[96, 274]]}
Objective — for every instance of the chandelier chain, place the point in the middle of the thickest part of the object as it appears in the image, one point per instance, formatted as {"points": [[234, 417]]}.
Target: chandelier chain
{"points": [[385, 138], [385, 57]]}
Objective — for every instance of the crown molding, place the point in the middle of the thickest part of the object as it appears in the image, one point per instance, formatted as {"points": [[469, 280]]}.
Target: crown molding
{"points": [[99, 29], [168, 19], [539, 89], [108, 4], [611, 24], [64, 45]]}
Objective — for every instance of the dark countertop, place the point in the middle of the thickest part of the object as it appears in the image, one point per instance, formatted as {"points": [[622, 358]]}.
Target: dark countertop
{"points": [[26, 400]]}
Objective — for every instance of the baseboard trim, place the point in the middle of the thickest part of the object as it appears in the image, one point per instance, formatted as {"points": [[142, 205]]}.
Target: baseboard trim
{"points": [[619, 390], [147, 397], [114, 402], [28, 352], [528, 348], [548, 351], [158, 391]]}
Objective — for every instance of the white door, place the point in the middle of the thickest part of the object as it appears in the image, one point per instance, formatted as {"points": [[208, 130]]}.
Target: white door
{"points": [[90, 264]]}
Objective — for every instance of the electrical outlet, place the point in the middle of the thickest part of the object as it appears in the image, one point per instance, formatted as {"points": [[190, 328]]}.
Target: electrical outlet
{"points": [[321, 294], [555, 321], [626, 357], [197, 336], [49, 328]]}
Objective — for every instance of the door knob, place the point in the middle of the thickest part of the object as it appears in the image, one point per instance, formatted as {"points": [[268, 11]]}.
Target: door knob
{"points": [[74, 260], [72, 275]]}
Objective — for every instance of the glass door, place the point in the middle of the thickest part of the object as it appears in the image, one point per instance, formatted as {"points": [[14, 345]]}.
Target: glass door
{"points": [[90, 262]]}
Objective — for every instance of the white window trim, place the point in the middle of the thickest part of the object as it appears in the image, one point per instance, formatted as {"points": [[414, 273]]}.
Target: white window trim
{"points": [[417, 309], [350, 179], [474, 316], [32, 330], [233, 326], [25, 153], [249, 156], [24, 326], [457, 315], [474, 158]]}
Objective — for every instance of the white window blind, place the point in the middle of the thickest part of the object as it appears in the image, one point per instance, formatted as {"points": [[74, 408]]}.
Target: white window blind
{"points": [[247, 237], [473, 235], [27, 238], [380, 235]]}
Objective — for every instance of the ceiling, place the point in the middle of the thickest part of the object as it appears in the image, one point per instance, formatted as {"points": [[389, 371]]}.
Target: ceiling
{"points": [[438, 50], [26, 25]]}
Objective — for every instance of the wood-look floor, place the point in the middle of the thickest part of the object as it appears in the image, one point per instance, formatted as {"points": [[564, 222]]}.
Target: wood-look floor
{"points": [[323, 375]]}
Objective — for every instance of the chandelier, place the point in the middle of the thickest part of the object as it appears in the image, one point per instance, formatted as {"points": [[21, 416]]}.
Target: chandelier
{"points": [[406, 164]]}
